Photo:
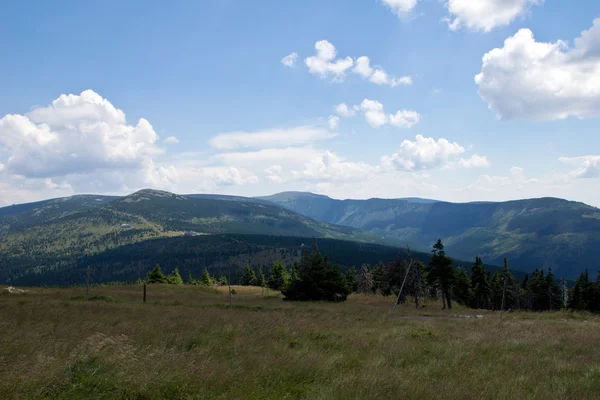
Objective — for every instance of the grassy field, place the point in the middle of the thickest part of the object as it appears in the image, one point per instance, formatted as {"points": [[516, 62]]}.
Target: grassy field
{"points": [[185, 343]]}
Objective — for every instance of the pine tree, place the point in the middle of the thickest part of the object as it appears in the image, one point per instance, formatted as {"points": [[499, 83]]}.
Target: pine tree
{"points": [[259, 279], [441, 272], [462, 286], [248, 276], [294, 273], [319, 280], [365, 280], [174, 278], [554, 292], [190, 279], [480, 286], [206, 278], [352, 279], [223, 280], [156, 275], [278, 276]]}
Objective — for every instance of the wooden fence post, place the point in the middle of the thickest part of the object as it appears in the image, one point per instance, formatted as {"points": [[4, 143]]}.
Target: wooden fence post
{"points": [[144, 292]]}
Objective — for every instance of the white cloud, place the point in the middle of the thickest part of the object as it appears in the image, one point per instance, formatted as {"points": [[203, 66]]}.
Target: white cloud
{"points": [[376, 116], [377, 75], [343, 110], [405, 119], [485, 15], [475, 161], [527, 79], [329, 166], [290, 60], [270, 138], [171, 140], [76, 134], [333, 122], [401, 7], [424, 153], [324, 63], [587, 166]]}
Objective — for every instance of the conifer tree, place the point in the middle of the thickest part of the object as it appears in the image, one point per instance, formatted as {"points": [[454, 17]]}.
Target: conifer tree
{"points": [[248, 276], [206, 278], [156, 275], [294, 273], [259, 279], [223, 280], [480, 286], [278, 276], [319, 280], [352, 279], [190, 279], [462, 286], [174, 278], [441, 272]]}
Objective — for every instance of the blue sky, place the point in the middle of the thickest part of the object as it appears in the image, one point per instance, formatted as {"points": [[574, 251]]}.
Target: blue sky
{"points": [[209, 76]]}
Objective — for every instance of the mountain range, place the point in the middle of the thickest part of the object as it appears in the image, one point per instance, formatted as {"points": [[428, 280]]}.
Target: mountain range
{"points": [[52, 236], [532, 233]]}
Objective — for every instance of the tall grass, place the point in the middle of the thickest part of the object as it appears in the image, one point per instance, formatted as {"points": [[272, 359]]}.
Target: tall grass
{"points": [[185, 343]]}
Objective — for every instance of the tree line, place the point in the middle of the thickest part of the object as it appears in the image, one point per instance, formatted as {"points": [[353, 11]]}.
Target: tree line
{"points": [[315, 277]]}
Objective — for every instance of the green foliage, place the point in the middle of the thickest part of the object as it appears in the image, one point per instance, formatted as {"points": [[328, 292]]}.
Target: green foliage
{"points": [[462, 287], [480, 285], [223, 280], [318, 280], [259, 280], [441, 272], [294, 273], [156, 275], [174, 278], [278, 276], [534, 232], [248, 277], [206, 278], [190, 279], [352, 279]]}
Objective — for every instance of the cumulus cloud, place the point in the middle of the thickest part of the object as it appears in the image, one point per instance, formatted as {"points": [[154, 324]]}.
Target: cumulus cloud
{"points": [[475, 161], [75, 134], [401, 7], [376, 116], [587, 166], [343, 110], [171, 140], [325, 64], [485, 15], [527, 79], [377, 75], [422, 153], [333, 122], [270, 138], [290, 60]]}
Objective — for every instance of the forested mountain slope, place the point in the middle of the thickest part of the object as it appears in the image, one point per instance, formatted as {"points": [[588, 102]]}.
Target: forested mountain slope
{"points": [[51, 235], [533, 233]]}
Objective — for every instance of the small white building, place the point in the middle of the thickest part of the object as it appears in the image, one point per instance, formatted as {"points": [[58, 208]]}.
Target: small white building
{"points": [[126, 226]]}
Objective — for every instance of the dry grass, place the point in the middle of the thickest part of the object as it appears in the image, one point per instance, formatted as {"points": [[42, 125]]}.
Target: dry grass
{"points": [[185, 344]]}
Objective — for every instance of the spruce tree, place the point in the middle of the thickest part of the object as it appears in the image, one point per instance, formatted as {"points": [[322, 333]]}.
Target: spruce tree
{"points": [[206, 279], [156, 275], [259, 279], [462, 286], [278, 276], [352, 279], [441, 272], [248, 276], [174, 278], [223, 280], [190, 279], [294, 273], [319, 280], [480, 286]]}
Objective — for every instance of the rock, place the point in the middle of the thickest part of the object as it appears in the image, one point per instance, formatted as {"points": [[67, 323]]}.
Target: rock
{"points": [[479, 316], [14, 290]]}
